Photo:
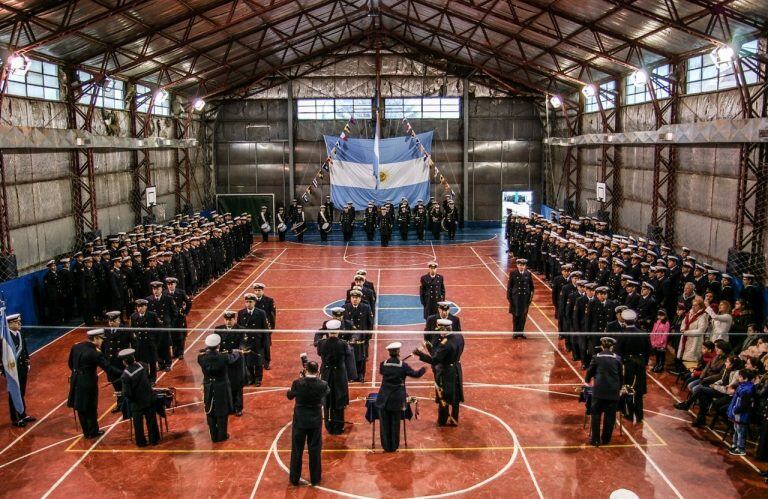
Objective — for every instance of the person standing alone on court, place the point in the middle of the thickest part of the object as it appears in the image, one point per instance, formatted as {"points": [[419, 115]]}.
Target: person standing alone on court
{"points": [[307, 427], [520, 296], [605, 369]]}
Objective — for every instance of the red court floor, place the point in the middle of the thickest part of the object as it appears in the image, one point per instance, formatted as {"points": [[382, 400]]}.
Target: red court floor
{"points": [[520, 432]]}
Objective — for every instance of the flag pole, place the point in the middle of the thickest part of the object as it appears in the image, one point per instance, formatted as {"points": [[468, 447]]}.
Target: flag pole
{"points": [[377, 132]]}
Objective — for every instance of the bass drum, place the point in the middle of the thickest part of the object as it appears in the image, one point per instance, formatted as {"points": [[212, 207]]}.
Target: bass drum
{"points": [[326, 227], [282, 227], [265, 227]]}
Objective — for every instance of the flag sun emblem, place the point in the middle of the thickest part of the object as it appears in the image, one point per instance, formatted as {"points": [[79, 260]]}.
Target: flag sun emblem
{"points": [[383, 177]]}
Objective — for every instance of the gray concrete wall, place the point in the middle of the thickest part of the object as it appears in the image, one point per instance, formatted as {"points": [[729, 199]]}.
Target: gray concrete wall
{"points": [[39, 183], [707, 183], [504, 153]]}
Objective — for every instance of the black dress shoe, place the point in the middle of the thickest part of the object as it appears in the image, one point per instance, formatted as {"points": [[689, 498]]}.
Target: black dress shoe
{"points": [[20, 424], [115, 410], [594, 444], [266, 366], [29, 419], [238, 413]]}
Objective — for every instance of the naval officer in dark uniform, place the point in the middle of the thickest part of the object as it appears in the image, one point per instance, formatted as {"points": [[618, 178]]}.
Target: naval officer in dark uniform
{"points": [[307, 427], [217, 394], [520, 296], [444, 356], [115, 340], [333, 370], [443, 312], [605, 369], [19, 419], [391, 398], [231, 340], [137, 390], [254, 342], [267, 305], [84, 358], [431, 290], [360, 316]]}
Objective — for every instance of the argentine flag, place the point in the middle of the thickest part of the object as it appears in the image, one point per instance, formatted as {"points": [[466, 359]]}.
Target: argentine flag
{"points": [[10, 362], [402, 170]]}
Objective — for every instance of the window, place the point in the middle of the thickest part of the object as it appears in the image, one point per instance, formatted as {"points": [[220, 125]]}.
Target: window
{"points": [[703, 75], [636, 94], [143, 98], [607, 98], [422, 107], [333, 109], [40, 82], [111, 94]]}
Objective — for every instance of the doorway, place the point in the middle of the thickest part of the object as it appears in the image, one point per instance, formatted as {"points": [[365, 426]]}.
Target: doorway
{"points": [[518, 201]]}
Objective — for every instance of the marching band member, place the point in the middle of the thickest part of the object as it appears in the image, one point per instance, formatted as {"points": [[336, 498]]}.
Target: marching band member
{"points": [[385, 225], [300, 223], [323, 223], [435, 221], [451, 219], [420, 221], [404, 221], [264, 224], [282, 224]]}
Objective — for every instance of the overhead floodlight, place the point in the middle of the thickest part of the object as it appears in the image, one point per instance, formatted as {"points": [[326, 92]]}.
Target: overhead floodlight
{"points": [[722, 55], [639, 78], [555, 101], [19, 64], [588, 91], [199, 104], [161, 96]]}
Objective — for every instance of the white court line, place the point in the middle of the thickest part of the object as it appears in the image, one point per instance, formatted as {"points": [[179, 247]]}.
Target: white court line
{"points": [[65, 334], [55, 340], [434, 255], [113, 425], [376, 336], [38, 451], [261, 473], [578, 374]]}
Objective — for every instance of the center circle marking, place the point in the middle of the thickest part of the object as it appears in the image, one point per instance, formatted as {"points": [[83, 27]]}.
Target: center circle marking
{"points": [[501, 471]]}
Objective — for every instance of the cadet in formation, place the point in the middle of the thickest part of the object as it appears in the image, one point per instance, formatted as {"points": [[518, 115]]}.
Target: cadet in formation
{"points": [[217, 394], [520, 296]]}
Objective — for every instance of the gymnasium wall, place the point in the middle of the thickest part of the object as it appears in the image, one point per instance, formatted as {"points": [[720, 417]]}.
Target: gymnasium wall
{"points": [[706, 181], [39, 182]]}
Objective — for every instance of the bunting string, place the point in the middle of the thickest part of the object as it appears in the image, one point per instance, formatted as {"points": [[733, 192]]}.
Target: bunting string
{"points": [[328, 162], [428, 158]]}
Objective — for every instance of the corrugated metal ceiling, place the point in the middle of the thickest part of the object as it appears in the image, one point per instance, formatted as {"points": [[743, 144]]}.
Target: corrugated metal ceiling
{"points": [[215, 47]]}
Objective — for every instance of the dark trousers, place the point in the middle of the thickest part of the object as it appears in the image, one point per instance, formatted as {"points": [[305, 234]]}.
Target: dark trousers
{"points": [[334, 420], [444, 411], [281, 236], [178, 340], [300, 237], [255, 372], [360, 368], [404, 234], [518, 321], [237, 397], [164, 349], [420, 233], [323, 235], [347, 235], [265, 237], [89, 422], [217, 425], [313, 438], [384, 240], [451, 231], [370, 234], [268, 349], [389, 429], [139, 417], [18, 416], [600, 407]]}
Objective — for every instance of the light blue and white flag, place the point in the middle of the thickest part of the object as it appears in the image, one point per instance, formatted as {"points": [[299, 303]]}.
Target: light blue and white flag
{"points": [[10, 361], [379, 170]]}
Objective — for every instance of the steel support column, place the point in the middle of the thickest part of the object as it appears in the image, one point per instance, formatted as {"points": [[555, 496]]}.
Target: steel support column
{"points": [[142, 173], [572, 161], [610, 161], [465, 150], [752, 195], [291, 140], [665, 156], [208, 125], [183, 164], [5, 228], [80, 117]]}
